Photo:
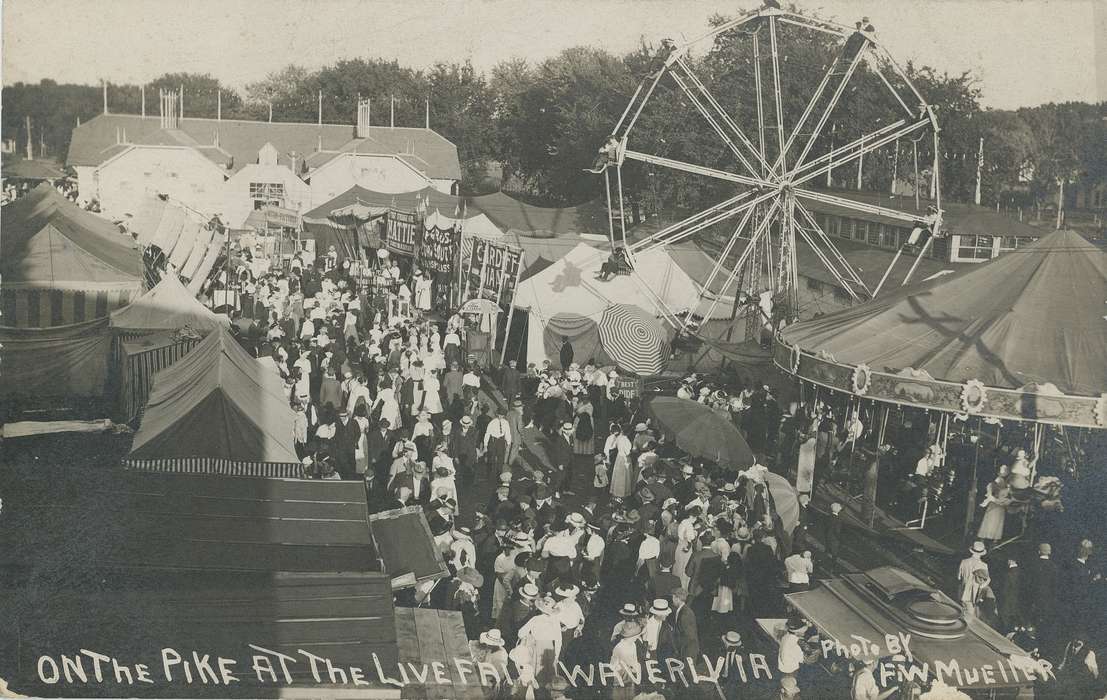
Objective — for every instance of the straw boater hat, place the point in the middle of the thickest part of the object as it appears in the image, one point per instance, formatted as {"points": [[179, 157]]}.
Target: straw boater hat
{"points": [[978, 548], [629, 610], [732, 639], [492, 638], [505, 478], [576, 520], [546, 606], [686, 468], [567, 428], [640, 428], [661, 607], [631, 629], [528, 592], [521, 538], [419, 468], [466, 421]]}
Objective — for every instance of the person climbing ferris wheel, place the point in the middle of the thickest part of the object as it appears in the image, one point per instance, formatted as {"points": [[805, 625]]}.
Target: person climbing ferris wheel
{"points": [[786, 137]]}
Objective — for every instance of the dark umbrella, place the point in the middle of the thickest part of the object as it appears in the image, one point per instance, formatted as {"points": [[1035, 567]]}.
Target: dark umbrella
{"points": [[702, 431]]}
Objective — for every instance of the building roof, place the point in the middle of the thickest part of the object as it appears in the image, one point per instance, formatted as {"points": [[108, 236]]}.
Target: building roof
{"points": [[1032, 316], [36, 169], [957, 217], [234, 143]]}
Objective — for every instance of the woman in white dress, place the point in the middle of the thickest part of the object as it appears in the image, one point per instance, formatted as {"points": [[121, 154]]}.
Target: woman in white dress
{"points": [[422, 292], [444, 472], [621, 484], [686, 540], [387, 404], [995, 511]]}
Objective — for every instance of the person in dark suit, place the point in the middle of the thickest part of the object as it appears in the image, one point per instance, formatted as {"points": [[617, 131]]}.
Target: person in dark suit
{"points": [[416, 481], [562, 457], [1044, 578], [664, 581], [1079, 579], [686, 633], [347, 435], [517, 612], [833, 532], [566, 354], [509, 381]]}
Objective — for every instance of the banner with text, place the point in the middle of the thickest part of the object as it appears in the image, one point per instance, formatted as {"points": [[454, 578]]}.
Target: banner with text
{"points": [[437, 256], [492, 272], [400, 232]]}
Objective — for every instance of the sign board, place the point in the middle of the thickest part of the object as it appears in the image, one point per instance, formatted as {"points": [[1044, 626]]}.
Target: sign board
{"points": [[492, 272], [628, 387], [436, 254], [281, 217], [400, 232]]}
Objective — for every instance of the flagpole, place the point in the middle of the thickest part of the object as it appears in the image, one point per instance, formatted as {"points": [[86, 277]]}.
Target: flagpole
{"points": [[979, 169]]}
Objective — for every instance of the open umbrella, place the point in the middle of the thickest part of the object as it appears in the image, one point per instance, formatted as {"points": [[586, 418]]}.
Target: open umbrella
{"points": [[634, 339], [702, 431]]}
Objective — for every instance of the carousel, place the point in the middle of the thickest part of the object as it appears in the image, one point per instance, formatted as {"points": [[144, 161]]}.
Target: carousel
{"points": [[1005, 360]]}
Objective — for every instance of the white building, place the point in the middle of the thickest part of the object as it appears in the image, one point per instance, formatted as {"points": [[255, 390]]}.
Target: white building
{"points": [[229, 167]]}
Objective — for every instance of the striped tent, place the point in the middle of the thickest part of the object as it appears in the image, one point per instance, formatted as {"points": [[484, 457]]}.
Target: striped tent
{"points": [[634, 339], [62, 265]]}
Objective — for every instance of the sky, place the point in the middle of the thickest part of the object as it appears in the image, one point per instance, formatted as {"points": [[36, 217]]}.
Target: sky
{"points": [[1024, 52]]}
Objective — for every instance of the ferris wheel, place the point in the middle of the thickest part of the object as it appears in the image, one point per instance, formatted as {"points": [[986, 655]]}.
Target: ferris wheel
{"points": [[784, 140]]}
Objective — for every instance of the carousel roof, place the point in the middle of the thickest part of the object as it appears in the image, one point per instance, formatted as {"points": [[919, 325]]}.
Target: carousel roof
{"points": [[1032, 316]]}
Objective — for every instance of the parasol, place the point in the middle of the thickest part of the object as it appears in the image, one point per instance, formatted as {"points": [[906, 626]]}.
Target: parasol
{"points": [[702, 431], [634, 339]]}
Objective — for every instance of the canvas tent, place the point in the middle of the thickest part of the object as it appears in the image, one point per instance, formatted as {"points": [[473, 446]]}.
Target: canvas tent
{"points": [[168, 306], [60, 264], [987, 323], [217, 410], [566, 299]]}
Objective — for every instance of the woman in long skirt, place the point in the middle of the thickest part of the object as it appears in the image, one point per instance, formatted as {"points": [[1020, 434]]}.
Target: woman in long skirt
{"points": [[621, 486], [583, 427], [995, 511]]}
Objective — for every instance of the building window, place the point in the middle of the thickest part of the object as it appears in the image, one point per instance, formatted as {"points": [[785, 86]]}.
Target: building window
{"points": [[1008, 242], [264, 193], [874, 233], [849, 228], [975, 248]]}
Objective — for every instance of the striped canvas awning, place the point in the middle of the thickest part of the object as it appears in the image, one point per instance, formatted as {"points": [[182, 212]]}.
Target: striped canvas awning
{"points": [[634, 339]]}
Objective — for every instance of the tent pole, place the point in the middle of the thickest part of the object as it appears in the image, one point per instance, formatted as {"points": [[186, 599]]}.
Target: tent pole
{"points": [[970, 508], [511, 310]]}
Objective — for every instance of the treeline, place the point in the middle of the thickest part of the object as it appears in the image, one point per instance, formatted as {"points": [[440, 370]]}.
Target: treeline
{"points": [[542, 122]]}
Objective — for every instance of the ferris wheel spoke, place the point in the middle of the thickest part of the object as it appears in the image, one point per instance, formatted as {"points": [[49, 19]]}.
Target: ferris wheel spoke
{"points": [[878, 69], [777, 90], [725, 117], [694, 224], [855, 45], [860, 207], [854, 150], [720, 261], [759, 98], [695, 169], [835, 253], [842, 282], [713, 122], [853, 52], [743, 257]]}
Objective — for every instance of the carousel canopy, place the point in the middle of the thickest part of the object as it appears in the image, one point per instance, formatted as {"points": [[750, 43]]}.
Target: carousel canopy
{"points": [[1031, 317], [168, 306]]}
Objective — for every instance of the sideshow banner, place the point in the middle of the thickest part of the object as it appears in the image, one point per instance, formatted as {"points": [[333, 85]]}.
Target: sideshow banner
{"points": [[492, 272], [436, 255], [400, 232]]}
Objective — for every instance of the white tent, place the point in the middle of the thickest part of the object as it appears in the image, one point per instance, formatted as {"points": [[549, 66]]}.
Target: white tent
{"points": [[479, 225], [566, 299], [168, 306]]}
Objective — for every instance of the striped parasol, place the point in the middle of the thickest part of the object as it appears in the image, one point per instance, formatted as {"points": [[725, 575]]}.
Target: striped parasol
{"points": [[634, 339]]}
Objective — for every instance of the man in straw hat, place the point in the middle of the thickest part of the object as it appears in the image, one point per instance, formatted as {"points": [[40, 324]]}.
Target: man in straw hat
{"points": [[965, 571], [517, 611], [539, 647], [626, 660], [790, 656], [562, 458]]}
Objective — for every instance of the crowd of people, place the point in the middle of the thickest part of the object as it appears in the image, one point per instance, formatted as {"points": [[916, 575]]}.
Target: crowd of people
{"points": [[612, 545]]}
